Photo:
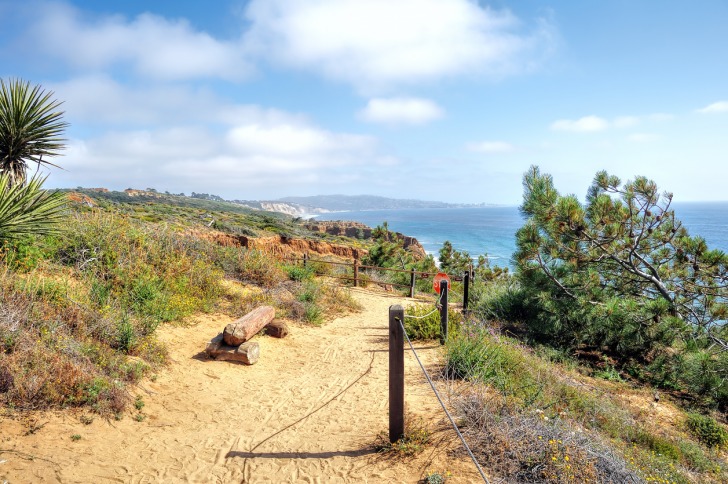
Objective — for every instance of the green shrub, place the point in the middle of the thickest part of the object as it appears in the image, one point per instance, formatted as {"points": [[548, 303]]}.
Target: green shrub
{"points": [[471, 354], [299, 273], [312, 313], [422, 321], [251, 266], [659, 445], [309, 292], [707, 430]]}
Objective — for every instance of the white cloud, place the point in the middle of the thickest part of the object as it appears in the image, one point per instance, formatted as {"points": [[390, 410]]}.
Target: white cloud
{"points": [[661, 117], [288, 140], [102, 100], [400, 110], [375, 44], [153, 46], [596, 123], [643, 137], [263, 155], [717, 107], [585, 124], [491, 147], [626, 121]]}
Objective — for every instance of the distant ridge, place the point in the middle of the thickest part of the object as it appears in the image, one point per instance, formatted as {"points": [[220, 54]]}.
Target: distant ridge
{"points": [[341, 203]]}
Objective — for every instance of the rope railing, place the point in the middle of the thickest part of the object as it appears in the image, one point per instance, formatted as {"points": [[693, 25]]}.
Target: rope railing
{"points": [[357, 277], [363, 266], [439, 398]]}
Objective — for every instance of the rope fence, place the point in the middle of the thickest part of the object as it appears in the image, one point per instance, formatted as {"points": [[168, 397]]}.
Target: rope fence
{"points": [[358, 277], [442, 404], [397, 334]]}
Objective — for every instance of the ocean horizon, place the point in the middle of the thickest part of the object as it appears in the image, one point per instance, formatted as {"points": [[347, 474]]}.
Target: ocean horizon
{"points": [[490, 230]]}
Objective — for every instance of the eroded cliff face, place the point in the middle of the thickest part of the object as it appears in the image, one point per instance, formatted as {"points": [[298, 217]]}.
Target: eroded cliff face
{"points": [[360, 231], [346, 229], [80, 198], [281, 246], [284, 246]]}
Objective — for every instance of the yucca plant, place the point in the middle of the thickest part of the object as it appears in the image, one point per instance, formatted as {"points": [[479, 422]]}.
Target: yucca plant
{"points": [[27, 208], [31, 127]]}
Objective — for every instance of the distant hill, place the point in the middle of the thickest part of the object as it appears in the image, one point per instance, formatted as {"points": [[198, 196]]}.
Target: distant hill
{"points": [[293, 206], [339, 203]]}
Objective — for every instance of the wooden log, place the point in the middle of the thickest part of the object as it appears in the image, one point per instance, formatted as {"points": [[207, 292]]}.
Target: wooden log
{"points": [[277, 329], [241, 330], [248, 353], [214, 345]]}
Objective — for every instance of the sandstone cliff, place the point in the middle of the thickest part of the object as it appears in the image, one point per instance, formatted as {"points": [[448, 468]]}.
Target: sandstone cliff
{"points": [[282, 246], [360, 231]]}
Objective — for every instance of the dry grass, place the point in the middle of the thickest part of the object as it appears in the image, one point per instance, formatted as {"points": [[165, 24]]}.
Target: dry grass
{"points": [[543, 422]]}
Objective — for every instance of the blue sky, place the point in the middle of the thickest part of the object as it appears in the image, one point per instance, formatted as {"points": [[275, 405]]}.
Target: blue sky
{"points": [[446, 100]]}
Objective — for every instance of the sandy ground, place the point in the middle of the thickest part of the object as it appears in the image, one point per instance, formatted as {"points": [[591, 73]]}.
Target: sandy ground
{"points": [[309, 411]]}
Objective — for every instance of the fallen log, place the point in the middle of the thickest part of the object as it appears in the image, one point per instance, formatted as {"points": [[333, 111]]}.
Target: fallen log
{"points": [[277, 329], [243, 329], [214, 344], [248, 353]]}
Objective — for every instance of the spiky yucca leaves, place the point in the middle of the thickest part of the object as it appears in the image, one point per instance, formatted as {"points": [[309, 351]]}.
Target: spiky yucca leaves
{"points": [[28, 209], [31, 127]]}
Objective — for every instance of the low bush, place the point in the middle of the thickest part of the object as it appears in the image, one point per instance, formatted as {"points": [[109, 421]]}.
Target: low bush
{"points": [[707, 430], [422, 321], [299, 273], [529, 407]]}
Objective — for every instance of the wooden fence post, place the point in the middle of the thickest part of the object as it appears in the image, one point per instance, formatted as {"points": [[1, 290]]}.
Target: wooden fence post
{"points": [[305, 259], [466, 290], [412, 283], [443, 312], [396, 373], [356, 272]]}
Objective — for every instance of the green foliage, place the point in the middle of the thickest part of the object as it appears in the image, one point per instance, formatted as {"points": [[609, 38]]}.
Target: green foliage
{"points": [[126, 338], [471, 354], [620, 273], [424, 321], [500, 299], [309, 293], [388, 251], [299, 273], [523, 415], [24, 254], [436, 477], [31, 127], [313, 313], [454, 261], [28, 209], [707, 430], [252, 266], [416, 437]]}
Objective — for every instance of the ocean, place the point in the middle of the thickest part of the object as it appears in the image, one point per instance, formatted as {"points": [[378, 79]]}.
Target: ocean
{"points": [[491, 230]]}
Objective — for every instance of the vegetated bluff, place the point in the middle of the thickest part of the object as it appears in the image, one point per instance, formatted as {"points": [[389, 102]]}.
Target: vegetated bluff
{"points": [[238, 224]]}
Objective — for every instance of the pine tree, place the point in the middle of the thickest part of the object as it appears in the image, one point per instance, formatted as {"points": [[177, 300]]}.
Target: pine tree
{"points": [[620, 272]]}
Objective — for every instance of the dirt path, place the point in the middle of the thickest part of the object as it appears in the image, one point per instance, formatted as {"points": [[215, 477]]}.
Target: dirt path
{"points": [[309, 411]]}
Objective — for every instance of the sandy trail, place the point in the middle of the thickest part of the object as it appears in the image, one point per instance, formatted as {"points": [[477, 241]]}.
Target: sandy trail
{"points": [[309, 411]]}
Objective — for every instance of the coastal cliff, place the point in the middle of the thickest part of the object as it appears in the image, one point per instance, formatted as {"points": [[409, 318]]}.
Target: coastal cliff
{"points": [[282, 246], [360, 231]]}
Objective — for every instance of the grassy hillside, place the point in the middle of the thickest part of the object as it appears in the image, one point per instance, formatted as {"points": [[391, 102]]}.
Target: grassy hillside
{"points": [[187, 212], [532, 414], [80, 309]]}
